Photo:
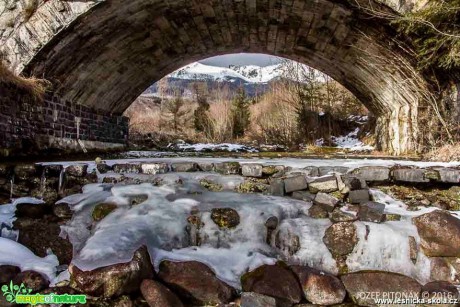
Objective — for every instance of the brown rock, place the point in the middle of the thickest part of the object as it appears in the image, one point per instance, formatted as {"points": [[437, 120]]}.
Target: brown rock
{"points": [[114, 280], [158, 295], [341, 238], [32, 280], [39, 235], [195, 283], [440, 269], [317, 212], [441, 290], [225, 217], [439, 233], [319, 287], [7, 273], [277, 281], [379, 284]]}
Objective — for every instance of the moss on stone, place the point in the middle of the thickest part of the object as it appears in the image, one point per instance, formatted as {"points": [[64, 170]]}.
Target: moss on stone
{"points": [[393, 217], [102, 210], [251, 187], [225, 217], [211, 186], [269, 170]]}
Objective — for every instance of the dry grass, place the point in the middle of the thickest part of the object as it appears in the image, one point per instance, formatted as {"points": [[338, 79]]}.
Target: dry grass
{"points": [[31, 87], [445, 153]]}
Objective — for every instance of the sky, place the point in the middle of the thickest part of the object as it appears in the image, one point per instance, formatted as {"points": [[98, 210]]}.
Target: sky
{"points": [[241, 59]]}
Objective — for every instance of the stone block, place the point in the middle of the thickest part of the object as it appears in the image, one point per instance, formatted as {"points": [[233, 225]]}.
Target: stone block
{"points": [[311, 171], [296, 183], [277, 187], [326, 170], [371, 212], [228, 168], [373, 173], [359, 196], [183, 167], [326, 184], [252, 299], [251, 170], [154, 168], [412, 175], [303, 195], [326, 201], [449, 175]]}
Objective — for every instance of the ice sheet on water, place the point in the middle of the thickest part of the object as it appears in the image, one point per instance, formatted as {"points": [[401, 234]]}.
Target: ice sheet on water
{"points": [[18, 255]]}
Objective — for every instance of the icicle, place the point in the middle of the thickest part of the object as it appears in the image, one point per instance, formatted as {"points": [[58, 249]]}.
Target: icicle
{"points": [[11, 186], [42, 183], [61, 180]]}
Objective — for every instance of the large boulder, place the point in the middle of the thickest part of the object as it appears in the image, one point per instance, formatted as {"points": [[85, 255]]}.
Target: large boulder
{"points": [[365, 286], [439, 232], [114, 280], [195, 283], [320, 288], [158, 295], [341, 238], [277, 281]]}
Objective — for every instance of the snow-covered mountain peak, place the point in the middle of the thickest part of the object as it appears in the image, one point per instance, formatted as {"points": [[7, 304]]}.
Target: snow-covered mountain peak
{"points": [[247, 74]]}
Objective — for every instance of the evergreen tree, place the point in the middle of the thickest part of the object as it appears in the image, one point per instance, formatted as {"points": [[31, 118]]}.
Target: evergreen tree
{"points": [[240, 113], [200, 116]]}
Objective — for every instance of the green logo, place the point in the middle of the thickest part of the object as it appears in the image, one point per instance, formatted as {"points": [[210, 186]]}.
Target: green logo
{"points": [[21, 295]]}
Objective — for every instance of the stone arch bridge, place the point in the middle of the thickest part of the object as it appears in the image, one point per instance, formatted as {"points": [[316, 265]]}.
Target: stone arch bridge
{"points": [[101, 54]]}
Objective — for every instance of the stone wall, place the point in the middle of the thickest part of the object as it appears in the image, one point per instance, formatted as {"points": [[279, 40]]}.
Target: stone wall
{"points": [[28, 126]]}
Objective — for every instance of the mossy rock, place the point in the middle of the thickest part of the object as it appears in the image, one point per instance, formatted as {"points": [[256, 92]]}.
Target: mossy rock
{"points": [[225, 217], [338, 195], [251, 187], [102, 210], [392, 217], [269, 170], [211, 186]]}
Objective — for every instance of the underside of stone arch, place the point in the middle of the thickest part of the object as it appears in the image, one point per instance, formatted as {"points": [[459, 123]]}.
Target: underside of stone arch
{"points": [[104, 54]]}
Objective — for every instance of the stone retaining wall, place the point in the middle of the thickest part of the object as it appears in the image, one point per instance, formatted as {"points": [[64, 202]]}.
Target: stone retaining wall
{"points": [[27, 125]]}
